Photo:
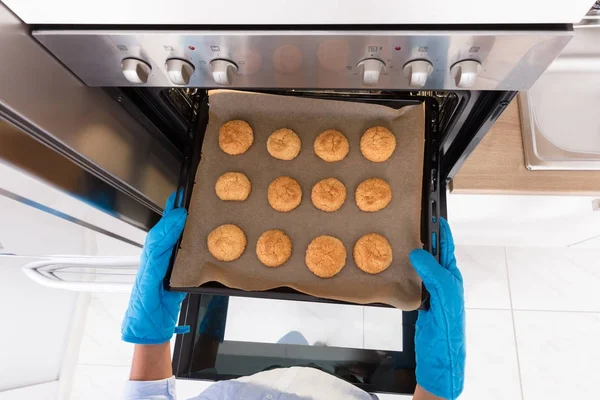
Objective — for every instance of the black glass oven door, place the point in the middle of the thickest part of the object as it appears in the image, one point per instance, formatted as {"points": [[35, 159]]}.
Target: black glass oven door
{"points": [[233, 337]]}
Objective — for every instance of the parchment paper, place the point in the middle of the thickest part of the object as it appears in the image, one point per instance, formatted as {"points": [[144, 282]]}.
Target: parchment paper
{"points": [[398, 286]]}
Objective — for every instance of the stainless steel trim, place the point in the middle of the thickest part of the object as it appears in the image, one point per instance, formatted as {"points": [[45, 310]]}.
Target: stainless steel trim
{"points": [[43, 98], [27, 155], [512, 60], [591, 22], [66, 217], [594, 11], [541, 154]]}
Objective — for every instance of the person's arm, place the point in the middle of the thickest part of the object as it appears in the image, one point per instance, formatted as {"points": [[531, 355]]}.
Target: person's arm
{"points": [[151, 362], [422, 394], [151, 316], [151, 375]]}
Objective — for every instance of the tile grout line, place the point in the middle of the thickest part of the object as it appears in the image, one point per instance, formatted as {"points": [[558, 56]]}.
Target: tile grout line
{"points": [[66, 377], [512, 314], [363, 335], [583, 241]]}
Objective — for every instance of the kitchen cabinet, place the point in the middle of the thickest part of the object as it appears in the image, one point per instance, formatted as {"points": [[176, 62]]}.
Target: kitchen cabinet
{"points": [[497, 166], [37, 323], [328, 12]]}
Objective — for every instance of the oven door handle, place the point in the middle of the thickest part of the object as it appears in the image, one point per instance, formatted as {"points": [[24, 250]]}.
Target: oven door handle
{"points": [[85, 274]]}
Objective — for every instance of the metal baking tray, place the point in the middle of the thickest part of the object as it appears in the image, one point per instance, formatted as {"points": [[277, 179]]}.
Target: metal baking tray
{"points": [[430, 200]]}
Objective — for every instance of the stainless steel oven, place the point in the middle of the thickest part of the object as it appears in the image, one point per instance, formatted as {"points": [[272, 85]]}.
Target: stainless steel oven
{"points": [[124, 106]]}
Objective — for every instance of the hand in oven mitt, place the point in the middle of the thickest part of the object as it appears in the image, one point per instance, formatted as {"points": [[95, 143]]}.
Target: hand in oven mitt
{"points": [[440, 331], [152, 312]]}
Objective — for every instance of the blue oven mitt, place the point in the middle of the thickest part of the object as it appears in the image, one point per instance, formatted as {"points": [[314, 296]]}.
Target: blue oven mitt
{"points": [[152, 312], [440, 331]]}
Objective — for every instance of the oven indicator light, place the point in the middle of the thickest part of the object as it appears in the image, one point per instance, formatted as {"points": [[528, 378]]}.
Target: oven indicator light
{"points": [[191, 48], [397, 48]]}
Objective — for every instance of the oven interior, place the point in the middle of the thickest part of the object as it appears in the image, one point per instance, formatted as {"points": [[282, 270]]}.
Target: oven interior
{"points": [[456, 122]]}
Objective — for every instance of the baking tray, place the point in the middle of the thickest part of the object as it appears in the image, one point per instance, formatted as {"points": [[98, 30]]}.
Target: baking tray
{"points": [[430, 193]]}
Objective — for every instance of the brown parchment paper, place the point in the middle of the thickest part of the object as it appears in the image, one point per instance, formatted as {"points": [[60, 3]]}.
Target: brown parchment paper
{"points": [[398, 286]]}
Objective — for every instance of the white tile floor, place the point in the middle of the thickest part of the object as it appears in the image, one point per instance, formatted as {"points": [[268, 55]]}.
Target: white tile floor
{"points": [[267, 321], [321, 324], [559, 354], [533, 324], [492, 371], [101, 343]]}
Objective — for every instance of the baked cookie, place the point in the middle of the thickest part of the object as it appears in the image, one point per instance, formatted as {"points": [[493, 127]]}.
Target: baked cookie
{"points": [[284, 144], [273, 248], [227, 242], [331, 146], [372, 253], [328, 194], [325, 256], [374, 194], [284, 194], [377, 144], [233, 186], [235, 137]]}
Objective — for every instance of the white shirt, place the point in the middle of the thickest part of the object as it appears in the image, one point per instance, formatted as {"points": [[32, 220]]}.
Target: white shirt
{"points": [[295, 383]]}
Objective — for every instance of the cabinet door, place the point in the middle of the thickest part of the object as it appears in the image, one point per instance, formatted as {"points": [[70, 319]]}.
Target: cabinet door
{"points": [[531, 221]]}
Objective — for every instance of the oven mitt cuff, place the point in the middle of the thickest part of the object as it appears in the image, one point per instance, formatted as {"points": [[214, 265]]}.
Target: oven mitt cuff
{"points": [[153, 311], [440, 331]]}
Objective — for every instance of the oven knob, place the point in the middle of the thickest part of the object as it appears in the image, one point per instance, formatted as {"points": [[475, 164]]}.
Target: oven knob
{"points": [[465, 72], [179, 71], [222, 71], [372, 68], [135, 70], [417, 72]]}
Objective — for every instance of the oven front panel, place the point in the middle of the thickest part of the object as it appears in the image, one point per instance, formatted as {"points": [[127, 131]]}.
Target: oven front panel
{"points": [[417, 60]]}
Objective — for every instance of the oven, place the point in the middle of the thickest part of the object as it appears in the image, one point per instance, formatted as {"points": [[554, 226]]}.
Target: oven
{"points": [[126, 105]]}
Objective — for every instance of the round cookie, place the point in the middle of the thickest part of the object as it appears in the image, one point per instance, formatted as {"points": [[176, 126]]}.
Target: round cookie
{"points": [[226, 242], [372, 253], [328, 194], [331, 146], [273, 248], [235, 137], [374, 194], [325, 256], [284, 194], [377, 144], [284, 144], [233, 186]]}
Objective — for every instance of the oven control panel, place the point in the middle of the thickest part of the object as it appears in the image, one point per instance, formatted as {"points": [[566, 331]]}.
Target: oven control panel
{"points": [[420, 60]]}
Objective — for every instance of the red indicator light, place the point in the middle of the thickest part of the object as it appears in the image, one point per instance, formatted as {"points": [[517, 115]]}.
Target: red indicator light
{"points": [[191, 48], [397, 48]]}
